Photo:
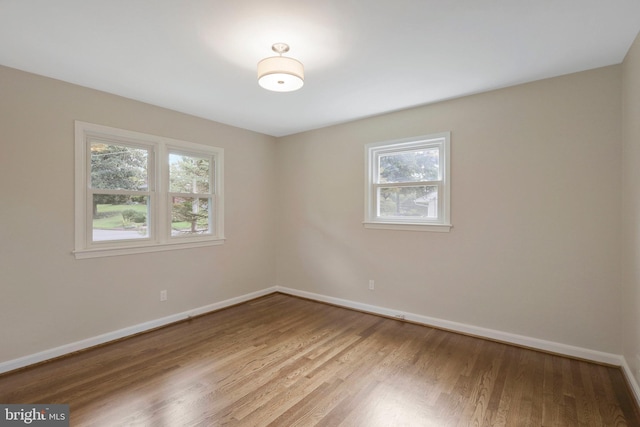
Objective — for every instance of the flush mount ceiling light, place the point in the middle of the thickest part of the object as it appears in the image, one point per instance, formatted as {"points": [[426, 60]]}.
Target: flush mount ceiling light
{"points": [[280, 73]]}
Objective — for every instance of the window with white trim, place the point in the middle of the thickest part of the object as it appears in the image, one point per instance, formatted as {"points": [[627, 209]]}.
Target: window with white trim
{"points": [[408, 184], [136, 192]]}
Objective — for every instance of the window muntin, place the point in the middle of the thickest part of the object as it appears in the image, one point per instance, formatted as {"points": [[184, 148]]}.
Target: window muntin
{"points": [[142, 193], [407, 184]]}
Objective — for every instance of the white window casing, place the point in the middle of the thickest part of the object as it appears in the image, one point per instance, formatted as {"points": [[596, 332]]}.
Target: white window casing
{"points": [[417, 171], [157, 232]]}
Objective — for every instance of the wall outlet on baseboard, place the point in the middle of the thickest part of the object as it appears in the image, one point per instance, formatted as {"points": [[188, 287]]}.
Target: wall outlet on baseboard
{"points": [[163, 295], [372, 285]]}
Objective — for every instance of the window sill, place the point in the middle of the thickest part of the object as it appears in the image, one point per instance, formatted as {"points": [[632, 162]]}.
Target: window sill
{"points": [[129, 250], [408, 226]]}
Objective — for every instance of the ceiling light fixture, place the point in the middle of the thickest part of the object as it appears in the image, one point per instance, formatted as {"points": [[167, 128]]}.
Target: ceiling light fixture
{"points": [[280, 73]]}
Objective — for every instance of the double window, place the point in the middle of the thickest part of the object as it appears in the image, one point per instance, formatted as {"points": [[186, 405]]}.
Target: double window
{"points": [[408, 184], [140, 193]]}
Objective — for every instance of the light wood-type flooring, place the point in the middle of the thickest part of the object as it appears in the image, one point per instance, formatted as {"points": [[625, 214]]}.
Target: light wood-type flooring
{"points": [[284, 361]]}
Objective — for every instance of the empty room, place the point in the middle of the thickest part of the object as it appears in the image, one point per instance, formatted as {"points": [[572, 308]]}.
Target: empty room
{"points": [[408, 213]]}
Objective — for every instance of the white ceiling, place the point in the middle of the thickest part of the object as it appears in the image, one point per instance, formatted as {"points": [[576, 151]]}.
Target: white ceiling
{"points": [[361, 57]]}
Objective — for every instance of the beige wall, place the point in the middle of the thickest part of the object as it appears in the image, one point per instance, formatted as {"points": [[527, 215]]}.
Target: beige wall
{"points": [[535, 248], [47, 297], [631, 206]]}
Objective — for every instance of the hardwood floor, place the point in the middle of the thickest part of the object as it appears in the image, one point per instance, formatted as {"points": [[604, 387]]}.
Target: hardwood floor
{"points": [[284, 361]]}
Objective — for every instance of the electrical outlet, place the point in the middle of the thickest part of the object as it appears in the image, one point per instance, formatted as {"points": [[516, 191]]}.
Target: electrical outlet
{"points": [[371, 285], [163, 295]]}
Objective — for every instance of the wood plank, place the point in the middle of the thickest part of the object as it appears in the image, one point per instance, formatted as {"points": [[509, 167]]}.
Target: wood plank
{"points": [[280, 360]]}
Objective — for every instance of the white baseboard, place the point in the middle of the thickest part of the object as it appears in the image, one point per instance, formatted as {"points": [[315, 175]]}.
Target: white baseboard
{"points": [[121, 333], [631, 379], [534, 343], [524, 341], [520, 340]]}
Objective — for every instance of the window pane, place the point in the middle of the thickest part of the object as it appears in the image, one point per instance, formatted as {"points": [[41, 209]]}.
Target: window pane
{"points": [[409, 166], [120, 217], [188, 174], [190, 215], [410, 202], [118, 167]]}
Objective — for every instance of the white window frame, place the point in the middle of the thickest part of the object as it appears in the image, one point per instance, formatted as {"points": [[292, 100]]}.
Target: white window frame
{"points": [[159, 220], [374, 150]]}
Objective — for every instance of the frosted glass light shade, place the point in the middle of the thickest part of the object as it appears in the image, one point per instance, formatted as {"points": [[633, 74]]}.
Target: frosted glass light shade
{"points": [[280, 74]]}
